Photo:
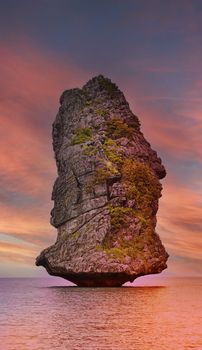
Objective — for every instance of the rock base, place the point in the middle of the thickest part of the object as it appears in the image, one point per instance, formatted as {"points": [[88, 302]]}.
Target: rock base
{"points": [[99, 279]]}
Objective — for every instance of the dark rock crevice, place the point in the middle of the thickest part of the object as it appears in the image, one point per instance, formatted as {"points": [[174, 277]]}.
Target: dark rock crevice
{"points": [[79, 187]]}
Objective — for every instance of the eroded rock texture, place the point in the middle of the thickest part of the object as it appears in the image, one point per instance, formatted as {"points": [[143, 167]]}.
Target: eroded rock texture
{"points": [[106, 193]]}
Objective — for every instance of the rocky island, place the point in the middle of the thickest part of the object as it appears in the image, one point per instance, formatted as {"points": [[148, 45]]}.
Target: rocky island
{"points": [[106, 193]]}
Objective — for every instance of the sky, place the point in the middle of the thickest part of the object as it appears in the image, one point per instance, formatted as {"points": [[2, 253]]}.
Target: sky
{"points": [[153, 51]]}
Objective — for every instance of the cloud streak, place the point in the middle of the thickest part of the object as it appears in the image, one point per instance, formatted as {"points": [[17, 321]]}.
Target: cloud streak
{"points": [[179, 222], [17, 253]]}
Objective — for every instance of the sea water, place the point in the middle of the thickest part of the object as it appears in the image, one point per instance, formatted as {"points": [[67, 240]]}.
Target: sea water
{"points": [[39, 314]]}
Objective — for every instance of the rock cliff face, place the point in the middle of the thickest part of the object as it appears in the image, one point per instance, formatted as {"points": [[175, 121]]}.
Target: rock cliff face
{"points": [[106, 193]]}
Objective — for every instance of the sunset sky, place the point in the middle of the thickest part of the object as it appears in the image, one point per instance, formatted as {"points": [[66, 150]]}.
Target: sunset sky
{"points": [[153, 51]]}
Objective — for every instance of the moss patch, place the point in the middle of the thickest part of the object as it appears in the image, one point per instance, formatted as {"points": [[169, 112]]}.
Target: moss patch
{"points": [[88, 103], [133, 248], [81, 135], [102, 174], [119, 216], [101, 112], [112, 151], [89, 150], [141, 220], [99, 248], [75, 234], [140, 183], [116, 128], [116, 253]]}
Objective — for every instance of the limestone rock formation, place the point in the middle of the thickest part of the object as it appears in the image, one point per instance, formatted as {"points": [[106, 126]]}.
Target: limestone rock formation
{"points": [[106, 193]]}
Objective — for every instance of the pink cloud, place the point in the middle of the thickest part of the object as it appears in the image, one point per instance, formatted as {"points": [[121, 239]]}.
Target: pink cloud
{"points": [[179, 221], [179, 137], [17, 253], [31, 83], [30, 224]]}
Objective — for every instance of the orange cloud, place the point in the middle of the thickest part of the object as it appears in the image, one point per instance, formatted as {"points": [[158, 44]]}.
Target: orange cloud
{"points": [[30, 224], [179, 221], [17, 253]]}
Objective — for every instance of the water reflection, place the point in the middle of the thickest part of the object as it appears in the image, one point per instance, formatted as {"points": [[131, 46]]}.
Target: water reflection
{"points": [[140, 318]]}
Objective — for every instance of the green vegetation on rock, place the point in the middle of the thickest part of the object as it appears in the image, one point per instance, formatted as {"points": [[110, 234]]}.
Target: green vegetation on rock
{"points": [[116, 128], [88, 103], [140, 183], [75, 234], [119, 216], [141, 220], [89, 150], [81, 135], [112, 151], [102, 173], [108, 167], [132, 248], [116, 253], [101, 112]]}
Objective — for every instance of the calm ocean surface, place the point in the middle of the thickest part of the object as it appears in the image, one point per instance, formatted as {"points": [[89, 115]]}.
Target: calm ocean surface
{"points": [[39, 314]]}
